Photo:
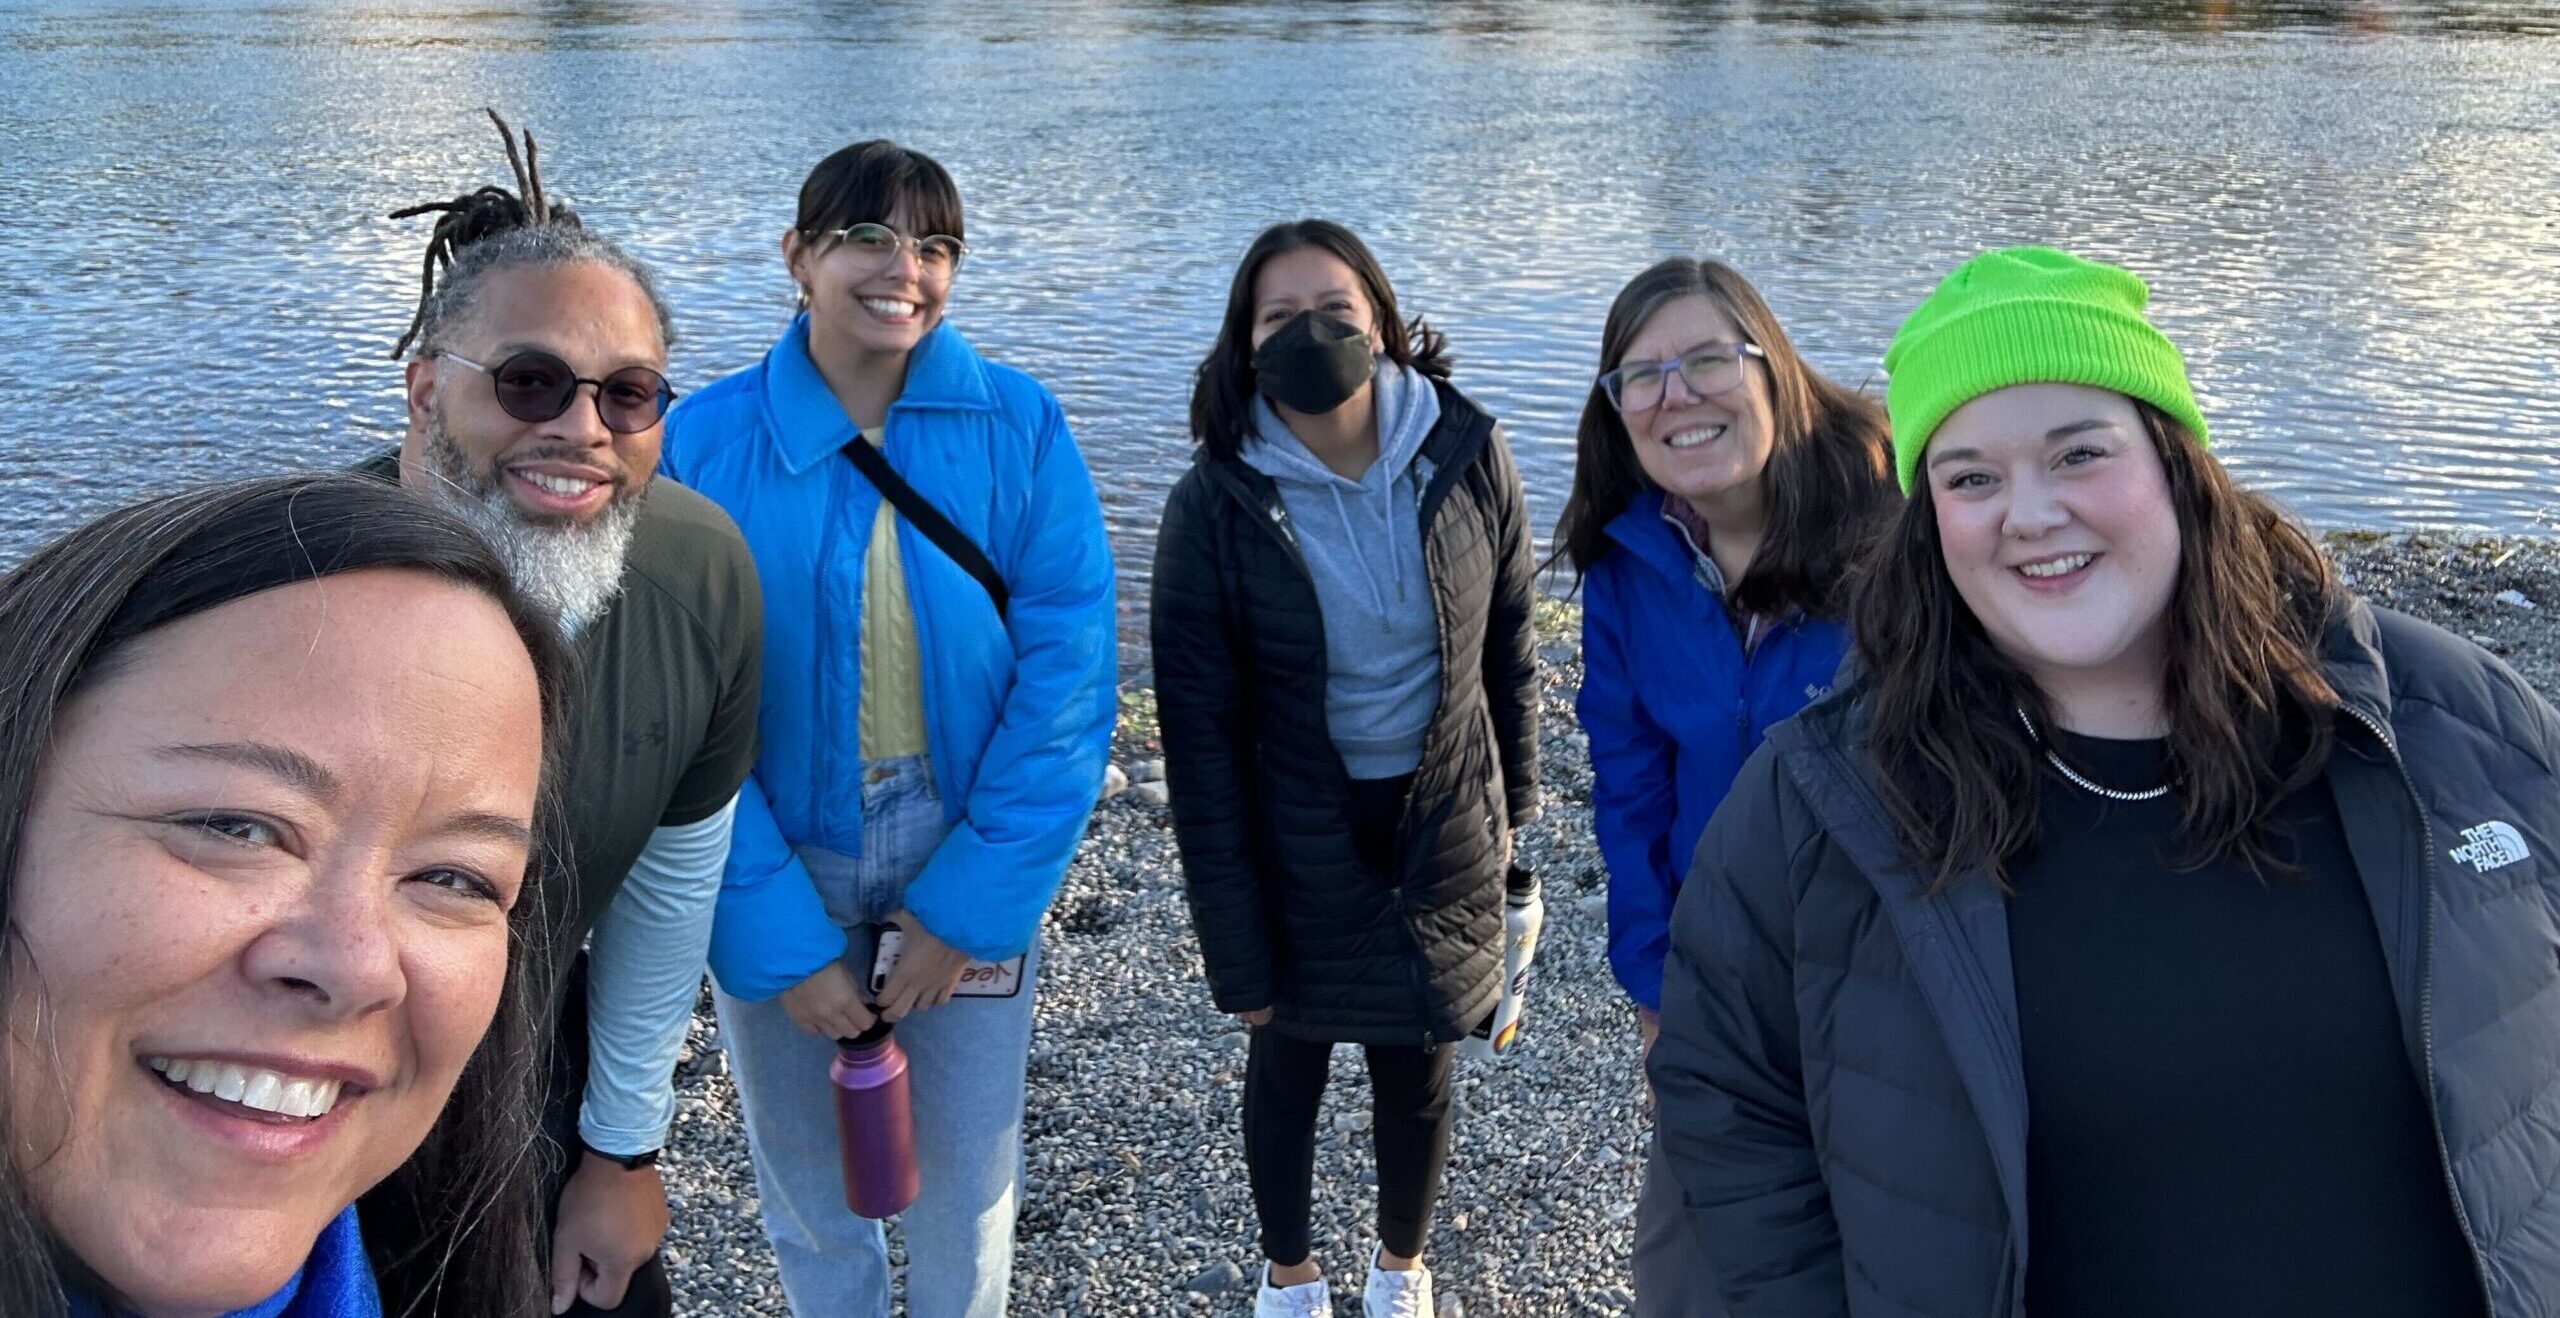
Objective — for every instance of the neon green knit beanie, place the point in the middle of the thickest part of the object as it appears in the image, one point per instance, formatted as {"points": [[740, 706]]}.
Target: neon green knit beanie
{"points": [[2027, 315]]}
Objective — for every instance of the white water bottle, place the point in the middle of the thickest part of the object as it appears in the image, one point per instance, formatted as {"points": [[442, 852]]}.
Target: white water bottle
{"points": [[1523, 913]]}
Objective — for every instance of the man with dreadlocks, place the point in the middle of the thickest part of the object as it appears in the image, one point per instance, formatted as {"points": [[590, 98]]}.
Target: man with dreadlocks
{"points": [[536, 398]]}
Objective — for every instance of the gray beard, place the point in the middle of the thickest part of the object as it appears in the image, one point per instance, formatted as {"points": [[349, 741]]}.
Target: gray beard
{"points": [[572, 571]]}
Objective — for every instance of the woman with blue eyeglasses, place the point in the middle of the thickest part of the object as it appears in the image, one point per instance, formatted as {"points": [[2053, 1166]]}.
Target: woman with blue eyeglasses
{"points": [[938, 702], [1721, 490]]}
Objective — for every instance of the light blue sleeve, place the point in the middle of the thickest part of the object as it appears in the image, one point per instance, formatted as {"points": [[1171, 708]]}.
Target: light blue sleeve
{"points": [[987, 886], [644, 968], [772, 930]]}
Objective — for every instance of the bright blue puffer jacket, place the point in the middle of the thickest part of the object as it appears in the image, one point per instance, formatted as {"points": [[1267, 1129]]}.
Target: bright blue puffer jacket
{"points": [[1673, 708], [1018, 709]]}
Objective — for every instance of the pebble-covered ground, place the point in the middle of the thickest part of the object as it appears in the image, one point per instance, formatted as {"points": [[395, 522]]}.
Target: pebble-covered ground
{"points": [[1136, 1201]]}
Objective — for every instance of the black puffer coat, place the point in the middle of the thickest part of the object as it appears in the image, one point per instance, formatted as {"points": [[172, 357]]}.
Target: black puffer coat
{"points": [[1287, 917], [1842, 1099]]}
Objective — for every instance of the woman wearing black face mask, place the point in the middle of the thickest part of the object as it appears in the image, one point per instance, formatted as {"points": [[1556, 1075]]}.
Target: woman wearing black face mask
{"points": [[1348, 696]]}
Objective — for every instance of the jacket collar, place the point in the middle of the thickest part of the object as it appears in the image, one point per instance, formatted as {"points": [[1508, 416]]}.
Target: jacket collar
{"points": [[1450, 446], [2352, 661], [809, 425], [1642, 531]]}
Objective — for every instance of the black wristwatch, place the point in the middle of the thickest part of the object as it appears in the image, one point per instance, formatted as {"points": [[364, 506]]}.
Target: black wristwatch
{"points": [[629, 1162]]}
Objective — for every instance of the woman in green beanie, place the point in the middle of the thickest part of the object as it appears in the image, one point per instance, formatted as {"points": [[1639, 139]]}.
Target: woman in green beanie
{"points": [[2153, 927]]}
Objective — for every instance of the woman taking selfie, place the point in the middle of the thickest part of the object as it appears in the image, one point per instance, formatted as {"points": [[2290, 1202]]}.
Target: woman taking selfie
{"points": [[2155, 928], [1348, 695], [937, 711], [1721, 487], [269, 759]]}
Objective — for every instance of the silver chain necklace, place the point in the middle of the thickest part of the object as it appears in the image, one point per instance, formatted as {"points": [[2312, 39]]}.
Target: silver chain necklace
{"points": [[2094, 789]]}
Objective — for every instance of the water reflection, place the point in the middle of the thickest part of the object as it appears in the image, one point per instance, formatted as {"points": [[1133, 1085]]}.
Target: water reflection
{"points": [[2350, 213]]}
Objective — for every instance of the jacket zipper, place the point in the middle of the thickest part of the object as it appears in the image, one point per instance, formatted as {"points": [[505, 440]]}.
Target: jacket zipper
{"points": [[2426, 1002], [1276, 514]]}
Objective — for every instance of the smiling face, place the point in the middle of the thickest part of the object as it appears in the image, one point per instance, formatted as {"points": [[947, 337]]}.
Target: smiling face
{"points": [[263, 891], [861, 305], [1711, 450], [564, 473], [2055, 519]]}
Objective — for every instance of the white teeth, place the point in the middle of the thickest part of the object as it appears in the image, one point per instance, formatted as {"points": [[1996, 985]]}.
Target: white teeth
{"points": [[1694, 436], [252, 1087], [2058, 567], [563, 486], [882, 306]]}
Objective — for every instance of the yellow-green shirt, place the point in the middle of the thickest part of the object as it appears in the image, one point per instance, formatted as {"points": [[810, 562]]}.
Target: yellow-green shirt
{"points": [[891, 719]]}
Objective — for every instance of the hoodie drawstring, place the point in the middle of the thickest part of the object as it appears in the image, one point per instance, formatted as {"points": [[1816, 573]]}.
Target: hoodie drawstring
{"points": [[1377, 597]]}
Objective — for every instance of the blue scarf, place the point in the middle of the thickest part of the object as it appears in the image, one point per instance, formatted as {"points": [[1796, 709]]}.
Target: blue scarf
{"points": [[336, 1281]]}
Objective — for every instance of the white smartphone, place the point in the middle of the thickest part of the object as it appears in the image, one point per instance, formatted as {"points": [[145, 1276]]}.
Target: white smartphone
{"points": [[982, 979]]}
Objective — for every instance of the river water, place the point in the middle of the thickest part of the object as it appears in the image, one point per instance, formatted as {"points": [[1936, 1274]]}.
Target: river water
{"points": [[2349, 213]]}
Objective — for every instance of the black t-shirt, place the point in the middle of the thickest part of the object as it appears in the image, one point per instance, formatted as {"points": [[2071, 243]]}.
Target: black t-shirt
{"points": [[2224, 1115], [665, 730]]}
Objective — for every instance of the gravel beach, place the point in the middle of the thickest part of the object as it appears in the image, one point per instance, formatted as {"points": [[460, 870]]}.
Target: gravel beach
{"points": [[1135, 1202]]}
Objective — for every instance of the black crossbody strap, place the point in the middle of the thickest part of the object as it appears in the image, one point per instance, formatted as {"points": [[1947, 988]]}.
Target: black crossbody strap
{"points": [[926, 518]]}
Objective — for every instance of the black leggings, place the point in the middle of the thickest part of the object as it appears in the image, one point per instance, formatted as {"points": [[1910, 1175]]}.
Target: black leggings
{"points": [[1409, 1099], [1284, 1082]]}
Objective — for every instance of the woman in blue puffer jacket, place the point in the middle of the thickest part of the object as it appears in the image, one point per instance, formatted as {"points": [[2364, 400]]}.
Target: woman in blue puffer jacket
{"points": [[932, 740], [1721, 486]]}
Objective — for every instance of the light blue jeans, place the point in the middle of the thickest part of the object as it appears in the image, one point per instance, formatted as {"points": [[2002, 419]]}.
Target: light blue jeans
{"points": [[964, 1069]]}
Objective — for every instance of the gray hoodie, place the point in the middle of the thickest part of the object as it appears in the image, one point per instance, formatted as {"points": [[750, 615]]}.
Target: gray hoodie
{"points": [[1362, 542]]}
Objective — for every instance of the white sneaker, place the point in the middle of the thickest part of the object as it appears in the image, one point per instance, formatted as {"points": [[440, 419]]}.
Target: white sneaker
{"points": [[1396, 1294], [1311, 1300]]}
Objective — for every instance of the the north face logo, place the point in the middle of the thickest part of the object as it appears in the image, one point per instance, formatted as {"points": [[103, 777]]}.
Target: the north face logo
{"points": [[2489, 846]]}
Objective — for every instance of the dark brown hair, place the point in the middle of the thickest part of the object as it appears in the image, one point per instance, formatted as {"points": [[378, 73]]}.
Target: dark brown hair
{"points": [[1829, 481], [468, 1195], [863, 184], [1222, 390], [2248, 708]]}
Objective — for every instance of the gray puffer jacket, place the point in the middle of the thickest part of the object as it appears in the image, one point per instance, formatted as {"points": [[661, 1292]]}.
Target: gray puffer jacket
{"points": [[1842, 1099]]}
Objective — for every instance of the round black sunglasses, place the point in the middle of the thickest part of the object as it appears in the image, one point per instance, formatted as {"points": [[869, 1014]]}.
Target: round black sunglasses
{"points": [[536, 386]]}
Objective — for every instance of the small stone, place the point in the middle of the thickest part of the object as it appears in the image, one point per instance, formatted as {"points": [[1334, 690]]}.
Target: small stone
{"points": [[1594, 907], [2513, 599], [1114, 781], [1152, 793], [1218, 1280], [1147, 771], [1451, 1306]]}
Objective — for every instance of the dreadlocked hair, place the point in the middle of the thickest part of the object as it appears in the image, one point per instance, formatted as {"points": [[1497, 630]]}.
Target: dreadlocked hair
{"points": [[490, 229]]}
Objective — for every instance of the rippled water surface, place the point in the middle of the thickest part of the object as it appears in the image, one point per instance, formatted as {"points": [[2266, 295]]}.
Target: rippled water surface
{"points": [[2350, 213]]}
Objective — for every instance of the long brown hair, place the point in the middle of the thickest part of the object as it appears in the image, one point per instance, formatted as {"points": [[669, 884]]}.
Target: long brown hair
{"points": [[1829, 480], [1222, 389], [2248, 707]]}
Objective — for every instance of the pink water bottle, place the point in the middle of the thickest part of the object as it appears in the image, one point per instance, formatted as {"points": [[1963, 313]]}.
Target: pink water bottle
{"points": [[875, 1126]]}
